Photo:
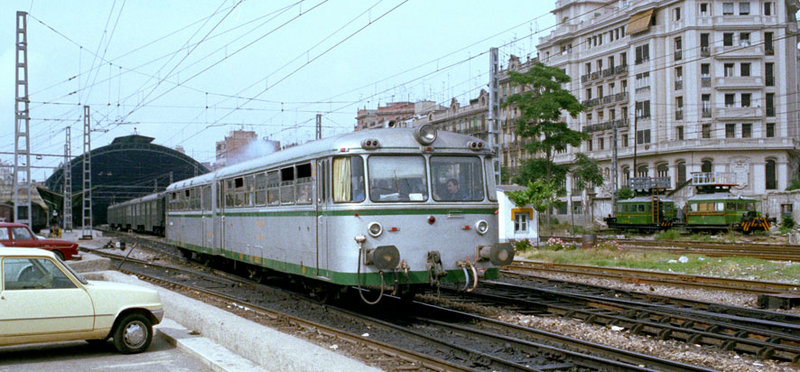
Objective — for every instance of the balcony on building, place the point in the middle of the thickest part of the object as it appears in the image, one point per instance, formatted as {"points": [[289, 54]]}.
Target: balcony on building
{"points": [[705, 51], [621, 69], [739, 82], [706, 113], [606, 125], [678, 84], [622, 96], [679, 114], [738, 51], [705, 82], [678, 55], [726, 113]]}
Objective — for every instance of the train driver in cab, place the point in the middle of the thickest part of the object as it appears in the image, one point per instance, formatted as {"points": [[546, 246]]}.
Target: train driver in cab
{"points": [[452, 191]]}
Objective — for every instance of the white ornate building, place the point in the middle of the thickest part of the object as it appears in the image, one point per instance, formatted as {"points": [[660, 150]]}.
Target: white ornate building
{"points": [[692, 85]]}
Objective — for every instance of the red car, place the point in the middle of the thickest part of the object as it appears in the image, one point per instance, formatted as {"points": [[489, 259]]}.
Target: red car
{"points": [[19, 235]]}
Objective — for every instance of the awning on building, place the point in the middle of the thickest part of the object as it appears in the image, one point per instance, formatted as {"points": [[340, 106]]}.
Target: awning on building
{"points": [[640, 22]]}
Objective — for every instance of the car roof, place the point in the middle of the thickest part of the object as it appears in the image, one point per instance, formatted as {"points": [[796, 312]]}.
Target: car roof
{"points": [[10, 252], [11, 224]]}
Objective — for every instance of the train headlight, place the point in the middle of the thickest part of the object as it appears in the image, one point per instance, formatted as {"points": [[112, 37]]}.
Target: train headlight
{"points": [[375, 229], [425, 134], [482, 227]]}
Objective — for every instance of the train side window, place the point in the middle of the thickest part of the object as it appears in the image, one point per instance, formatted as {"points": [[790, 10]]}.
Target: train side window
{"points": [[348, 179], [287, 185], [273, 188], [238, 194], [207, 198], [304, 187], [720, 206], [261, 189], [640, 208], [229, 193], [249, 193], [731, 206], [173, 202]]}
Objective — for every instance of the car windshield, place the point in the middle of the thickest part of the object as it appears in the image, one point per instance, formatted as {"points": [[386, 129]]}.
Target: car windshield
{"points": [[397, 178], [457, 178]]}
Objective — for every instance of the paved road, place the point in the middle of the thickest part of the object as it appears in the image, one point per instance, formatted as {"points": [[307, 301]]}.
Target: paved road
{"points": [[81, 356]]}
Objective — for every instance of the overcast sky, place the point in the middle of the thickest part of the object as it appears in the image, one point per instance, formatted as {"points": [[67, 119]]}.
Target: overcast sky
{"points": [[188, 72]]}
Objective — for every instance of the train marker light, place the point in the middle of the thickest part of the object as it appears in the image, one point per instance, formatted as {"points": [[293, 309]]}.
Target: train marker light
{"points": [[466, 227], [431, 220]]}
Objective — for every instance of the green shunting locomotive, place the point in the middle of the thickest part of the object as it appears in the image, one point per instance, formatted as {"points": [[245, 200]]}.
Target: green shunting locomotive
{"points": [[649, 210]]}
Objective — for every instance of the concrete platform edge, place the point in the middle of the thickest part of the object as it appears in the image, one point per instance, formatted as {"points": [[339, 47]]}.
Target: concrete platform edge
{"points": [[267, 348]]}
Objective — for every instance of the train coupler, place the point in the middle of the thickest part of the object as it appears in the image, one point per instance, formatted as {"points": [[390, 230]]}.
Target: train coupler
{"points": [[435, 268]]}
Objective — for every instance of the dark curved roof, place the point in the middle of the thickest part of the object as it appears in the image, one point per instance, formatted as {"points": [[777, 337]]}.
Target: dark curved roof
{"points": [[129, 167]]}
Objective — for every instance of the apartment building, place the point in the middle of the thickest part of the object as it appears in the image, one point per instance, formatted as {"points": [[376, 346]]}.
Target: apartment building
{"points": [[690, 86]]}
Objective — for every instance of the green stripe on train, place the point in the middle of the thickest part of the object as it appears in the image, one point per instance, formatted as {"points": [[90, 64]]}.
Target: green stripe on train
{"points": [[341, 278]]}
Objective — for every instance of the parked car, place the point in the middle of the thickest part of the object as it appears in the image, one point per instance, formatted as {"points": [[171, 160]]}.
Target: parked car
{"points": [[44, 300], [19, 235]]}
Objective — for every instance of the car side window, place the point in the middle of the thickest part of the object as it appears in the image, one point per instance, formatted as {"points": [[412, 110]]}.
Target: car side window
{"points": [[3, 233], [33, 273], [21, 233]]}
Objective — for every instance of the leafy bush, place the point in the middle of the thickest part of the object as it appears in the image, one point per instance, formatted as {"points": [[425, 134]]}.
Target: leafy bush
{"points": [[611, 245], [787, 222], [523, 245], [555, 244]]}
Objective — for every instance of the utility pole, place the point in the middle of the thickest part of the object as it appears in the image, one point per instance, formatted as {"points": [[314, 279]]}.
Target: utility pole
{"points": [[67, 214], [635, 139], [22, 140], [319, 126], [494, 108], [86, 229]]}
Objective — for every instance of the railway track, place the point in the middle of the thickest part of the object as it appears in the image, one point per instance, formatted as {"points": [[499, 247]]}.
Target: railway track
{"points": [[777, 252], [454, 340], [760, 333], [652, 277]]}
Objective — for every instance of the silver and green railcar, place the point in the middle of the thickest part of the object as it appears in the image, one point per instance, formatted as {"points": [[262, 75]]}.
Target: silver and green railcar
{"points": [[384, 208]]}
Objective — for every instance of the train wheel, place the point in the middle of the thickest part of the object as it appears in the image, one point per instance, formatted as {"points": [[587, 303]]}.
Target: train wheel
{"points": [[187, 254]]}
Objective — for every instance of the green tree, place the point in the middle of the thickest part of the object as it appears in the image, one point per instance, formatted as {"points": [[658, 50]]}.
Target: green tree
{"points": [[539, 194], [625, 193], [541, 102]]}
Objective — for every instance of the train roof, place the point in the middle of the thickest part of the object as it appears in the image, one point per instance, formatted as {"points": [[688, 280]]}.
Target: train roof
{"points": [[140, 199], [639, 199], [719, 196], [391, 140]]}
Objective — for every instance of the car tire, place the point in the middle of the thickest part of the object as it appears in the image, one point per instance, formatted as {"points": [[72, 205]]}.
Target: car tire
{"points": [[133, 334]]}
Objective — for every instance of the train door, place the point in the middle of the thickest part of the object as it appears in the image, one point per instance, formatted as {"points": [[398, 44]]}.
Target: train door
{"points": [[207, 219], [321, 208], [219, 219]]}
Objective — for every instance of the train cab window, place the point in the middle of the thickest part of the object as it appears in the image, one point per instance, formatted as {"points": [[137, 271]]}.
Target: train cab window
{"points": [[273, 188], [348, 179], [287, 185], [261, 189], [397, 178], [457, 178]]}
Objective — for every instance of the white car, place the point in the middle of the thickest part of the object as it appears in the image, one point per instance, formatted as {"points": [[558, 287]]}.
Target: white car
{"points": [[44, 300]]}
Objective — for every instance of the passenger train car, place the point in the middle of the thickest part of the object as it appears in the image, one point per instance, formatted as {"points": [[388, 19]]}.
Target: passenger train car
{"points": [[146, 214], [394, 208]]}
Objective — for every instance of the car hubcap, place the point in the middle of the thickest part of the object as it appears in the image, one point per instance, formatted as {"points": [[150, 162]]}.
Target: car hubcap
{"points": [[135, 334]]}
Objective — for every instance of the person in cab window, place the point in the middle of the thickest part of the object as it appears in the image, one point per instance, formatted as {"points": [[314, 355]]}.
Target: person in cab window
{"points": [[452, 191]]}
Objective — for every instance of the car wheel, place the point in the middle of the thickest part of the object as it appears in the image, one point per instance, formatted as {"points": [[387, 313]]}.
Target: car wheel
{"points": [[59, 255], [133, 334]]}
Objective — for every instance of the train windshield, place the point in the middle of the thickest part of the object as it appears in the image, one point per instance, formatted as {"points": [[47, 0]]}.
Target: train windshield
{"points": [[457, 178], [397, 178]]}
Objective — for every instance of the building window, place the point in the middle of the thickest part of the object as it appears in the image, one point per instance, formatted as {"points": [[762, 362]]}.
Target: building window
{"points": [[704, 48], [625, 140], [678, 108], [704, 9], [590, 145], [770, 130], [676, 13], [681, 172], [678, 48], [769, 74], [744, 69], [727, 8], [706, 105], [643, 109], [679, 131], [768, 8], [729, 99], [746, 99], [744, 39], [786, 209], [679, 78], [744, 8], [769, 49], [707, 165], [642, 53], [770, 104], [643, 136], [728, 69], [747, 130], [706, 130], [521, 219], [727, 39], [602, 142], [642, 80], [771, 179], [730, 130]]}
